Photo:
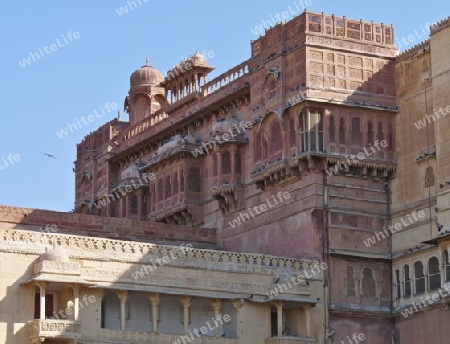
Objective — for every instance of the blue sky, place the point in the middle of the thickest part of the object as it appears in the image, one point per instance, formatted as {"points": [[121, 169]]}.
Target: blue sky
{"points": [[82, 75]]}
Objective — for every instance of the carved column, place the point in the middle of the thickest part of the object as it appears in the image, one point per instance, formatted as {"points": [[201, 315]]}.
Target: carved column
{"points": [[123, 296], [279, 306], [154, 300], [237, 304], [42, 286], [76, 300], [216, 306], [186, 302]]}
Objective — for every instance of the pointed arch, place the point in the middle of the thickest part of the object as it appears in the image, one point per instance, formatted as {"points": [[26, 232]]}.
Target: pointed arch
{"points": [[368, 282]]}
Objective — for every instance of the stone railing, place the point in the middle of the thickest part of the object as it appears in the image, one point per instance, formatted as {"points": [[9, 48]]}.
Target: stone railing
{"points": [[54, 329], [159, 338], [369, 32], [144, 125], [224, 79], [91, 247], [290, 340]]}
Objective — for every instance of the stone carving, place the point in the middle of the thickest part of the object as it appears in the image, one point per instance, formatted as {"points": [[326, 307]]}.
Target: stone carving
{"points": [[114, 250], [316, 55], [357, 47]]}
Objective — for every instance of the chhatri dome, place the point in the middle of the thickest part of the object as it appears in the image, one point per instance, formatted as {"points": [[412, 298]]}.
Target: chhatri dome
{"points": [[56, 254], [146, 75]]}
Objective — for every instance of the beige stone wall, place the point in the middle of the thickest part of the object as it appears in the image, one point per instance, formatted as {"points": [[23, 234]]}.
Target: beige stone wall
{"points": [[110, 266], [416, 190]]}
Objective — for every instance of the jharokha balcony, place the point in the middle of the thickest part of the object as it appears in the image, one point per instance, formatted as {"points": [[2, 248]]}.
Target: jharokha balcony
{"points": [[39, 330]]}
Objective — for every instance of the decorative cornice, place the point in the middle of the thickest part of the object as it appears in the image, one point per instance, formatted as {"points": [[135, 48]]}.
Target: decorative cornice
{"points": [[102, 249]]}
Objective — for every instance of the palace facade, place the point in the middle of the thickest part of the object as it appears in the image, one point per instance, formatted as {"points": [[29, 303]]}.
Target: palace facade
{"points": [[299, 197]]}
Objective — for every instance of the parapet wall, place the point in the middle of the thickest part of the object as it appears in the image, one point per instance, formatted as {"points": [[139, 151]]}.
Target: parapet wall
{"points": [[417, 49], [443, 24], [107, 227]]}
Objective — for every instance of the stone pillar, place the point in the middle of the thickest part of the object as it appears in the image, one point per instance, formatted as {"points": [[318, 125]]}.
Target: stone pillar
{"points": [[76, 301], [279, 306], [196, 83], [186, 302], [140, 198], [233, 152], [127, 206], [216, 306], [42, 286], [154, 300], [123, 296], [237, 304], [122, 206], [307, 309]]}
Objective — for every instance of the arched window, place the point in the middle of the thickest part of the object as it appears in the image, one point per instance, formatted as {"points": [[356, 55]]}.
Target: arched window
{"points": [[385, 283], [133, 204], [276, 144], [214, 165], [342, 130], [447, 266], [390, 138], [368, 283], [311, 130], [292, 133], [257, 146], [238, 166], [380, 138], [406, 282], [351, 282], [271, 85], [141, 108], [168, 188], [160, 189], [182, 181], [226, 162], [419, 278], [398, 288], [434, 274], [332, 129], [175, 183], [356, 137], [429, 177], [265, 151], [380, 131], [194, 179], [370, 133]]}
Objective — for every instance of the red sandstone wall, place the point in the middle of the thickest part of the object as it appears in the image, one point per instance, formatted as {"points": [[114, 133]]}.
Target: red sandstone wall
{"points": [[375, 330], [424, 327], [72, 223]]}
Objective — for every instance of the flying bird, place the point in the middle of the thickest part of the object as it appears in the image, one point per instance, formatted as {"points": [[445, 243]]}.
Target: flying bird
{"points": [[49, 155]]}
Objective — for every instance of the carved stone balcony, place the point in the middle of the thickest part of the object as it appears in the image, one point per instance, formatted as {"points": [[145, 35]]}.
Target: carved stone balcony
{"points": [[39, 330], [290, 340], [271, 174], [177, 213], [229, 195], [159, 338]]}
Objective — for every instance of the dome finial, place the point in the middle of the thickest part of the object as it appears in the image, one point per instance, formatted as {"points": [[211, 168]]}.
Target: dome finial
{"points": [[147, 60]]}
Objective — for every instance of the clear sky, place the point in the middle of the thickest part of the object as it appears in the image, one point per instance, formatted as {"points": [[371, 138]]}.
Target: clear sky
{"points": [[77, 75]]}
